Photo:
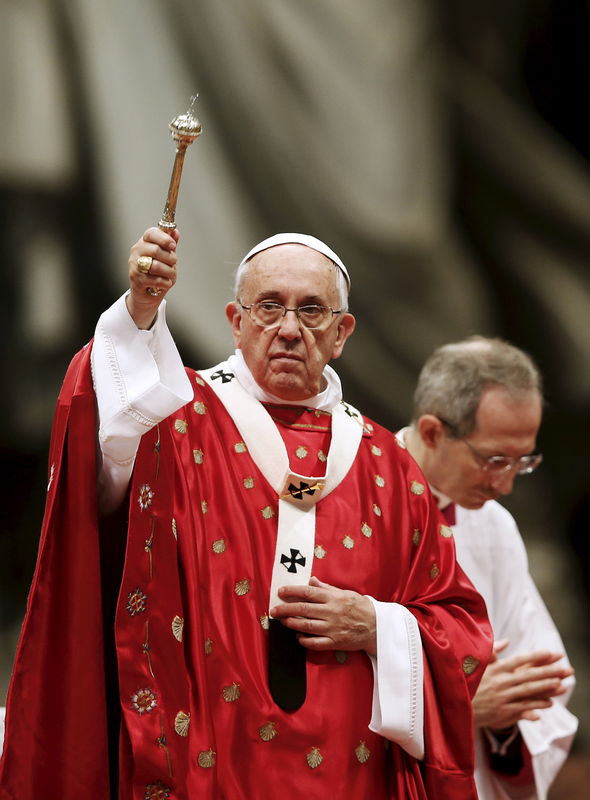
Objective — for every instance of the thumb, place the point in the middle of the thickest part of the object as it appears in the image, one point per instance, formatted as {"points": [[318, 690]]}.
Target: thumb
{"points": [[499, 645]]}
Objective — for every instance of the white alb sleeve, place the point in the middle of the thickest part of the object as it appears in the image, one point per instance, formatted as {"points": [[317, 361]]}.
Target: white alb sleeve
{"points": [[398, 676], [139, 380]]}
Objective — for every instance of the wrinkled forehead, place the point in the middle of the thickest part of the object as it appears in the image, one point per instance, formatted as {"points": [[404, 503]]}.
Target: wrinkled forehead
{"points": [[299, 238]]}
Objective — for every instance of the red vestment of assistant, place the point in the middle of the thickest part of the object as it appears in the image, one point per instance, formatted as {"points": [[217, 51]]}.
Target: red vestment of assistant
{"points": [[191, 624]]}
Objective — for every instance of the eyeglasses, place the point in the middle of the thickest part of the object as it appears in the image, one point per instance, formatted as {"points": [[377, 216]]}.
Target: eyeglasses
{"points": [[498, 465], [268, 314]]}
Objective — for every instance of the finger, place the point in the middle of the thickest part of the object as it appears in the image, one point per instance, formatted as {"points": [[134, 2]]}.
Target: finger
{"points": [[313, 611], [500, 645], [161, 238], [313, 581], [316, 642], [534, 658], [310, 594]]}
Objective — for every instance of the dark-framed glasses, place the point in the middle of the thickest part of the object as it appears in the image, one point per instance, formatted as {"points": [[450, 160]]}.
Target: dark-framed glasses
{"points": [[498, 465], [269, 314]]}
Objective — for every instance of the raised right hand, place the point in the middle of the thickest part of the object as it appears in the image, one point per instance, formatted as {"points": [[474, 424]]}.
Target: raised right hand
{"points": [[148, 290]]}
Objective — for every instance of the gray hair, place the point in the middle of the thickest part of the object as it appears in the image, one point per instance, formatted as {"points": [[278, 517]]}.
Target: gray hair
{"points": [[455, 376], [341, 285]]}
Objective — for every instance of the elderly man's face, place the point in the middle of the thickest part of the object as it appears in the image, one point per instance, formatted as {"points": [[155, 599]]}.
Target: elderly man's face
{"points": [[288, 360]]}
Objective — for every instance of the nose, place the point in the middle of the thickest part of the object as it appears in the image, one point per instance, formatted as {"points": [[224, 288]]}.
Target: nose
{"points": [[290, 327], [504, 482]]}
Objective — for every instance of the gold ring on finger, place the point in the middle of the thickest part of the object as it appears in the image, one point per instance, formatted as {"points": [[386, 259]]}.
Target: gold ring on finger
{"points": [[144, 264]]}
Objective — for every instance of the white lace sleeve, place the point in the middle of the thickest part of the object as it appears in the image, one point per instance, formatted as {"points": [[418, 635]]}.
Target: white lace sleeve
{"points": [[398, 672], [139, 380]]}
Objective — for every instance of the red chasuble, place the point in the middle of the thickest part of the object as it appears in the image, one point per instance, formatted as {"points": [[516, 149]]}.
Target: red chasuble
{"points": [[191, 627]]}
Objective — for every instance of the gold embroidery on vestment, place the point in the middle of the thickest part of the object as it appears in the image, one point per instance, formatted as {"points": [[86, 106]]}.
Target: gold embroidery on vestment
{"points": [[136, 602], [240, 447], [417, 488], [380, 481], [434, 571], [376, 510], [362, 752], [199, 380], [242, 587], [181, 723], [146, 496], [174, 530], [206, 758], [177, 627], [180, 425], [162, 742], [366, 530], [204, 506], [208, 647], [416, 536], [231, 693], [145, 648], [445, 531], [218, 546], [319, 551], [249, 482], [348, 542], [322, 456], [377, 451], [301, 451], [157, 791], [198, 456], [267, 732], [267, 512], [314, 758], [265, 621], [470, 664], [144, 701], [200, 407]]}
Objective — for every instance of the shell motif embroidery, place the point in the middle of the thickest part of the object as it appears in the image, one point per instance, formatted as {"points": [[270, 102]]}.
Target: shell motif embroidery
{"points": [[136, 602], [348, 542], [157, 791], [314, 758], [208, 647], [265, 622], [366, 530], [174, 528], [198, 455], [446, 532], [177, 627], [267, 732], [376, 450], [206, 758], [240, 447], [248, 483], [319, 551], [470, 664], [200, 407], [301, 451], [434, 571], [267, 512], [380, 481], [204, 507], [218, 546], [417, 488], [362, 752], [376, 510], [199, 380], [181, 723], [180, 425], [144, 701], [242, 587], [146, 496], [416, 536], [322, 456], [231, 693]]}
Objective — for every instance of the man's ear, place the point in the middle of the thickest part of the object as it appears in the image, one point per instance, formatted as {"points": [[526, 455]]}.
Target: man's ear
{"points": [[430, 429], [234, 317], [346, 325]]}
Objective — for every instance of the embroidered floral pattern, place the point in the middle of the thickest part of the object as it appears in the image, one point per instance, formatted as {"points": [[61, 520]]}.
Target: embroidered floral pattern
{"points": [[146, 496], [136, 602], [144, 701], [157, 791]]}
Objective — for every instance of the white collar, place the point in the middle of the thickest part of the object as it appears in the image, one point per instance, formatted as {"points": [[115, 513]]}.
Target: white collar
{"points": [[326, 400]]}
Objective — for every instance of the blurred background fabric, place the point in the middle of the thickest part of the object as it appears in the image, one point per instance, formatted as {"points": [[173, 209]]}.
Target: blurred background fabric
{"points": [[442, 149]]}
